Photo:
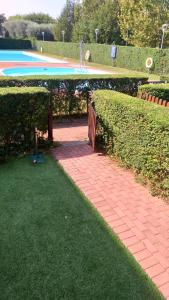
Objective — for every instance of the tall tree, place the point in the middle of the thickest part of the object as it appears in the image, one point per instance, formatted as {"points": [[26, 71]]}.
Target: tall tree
{"points": [[101, 14], [24, 29], [90, 7], [39, 18], [2, 20], [66, 21], [16, 29], [141, 20], [107, 20]]}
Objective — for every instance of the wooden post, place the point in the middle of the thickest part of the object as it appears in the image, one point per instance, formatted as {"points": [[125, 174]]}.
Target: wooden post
{"points": [[153, 98], [89, 98], [147, 96], [50, 123], [164, 103], [92, 127]]}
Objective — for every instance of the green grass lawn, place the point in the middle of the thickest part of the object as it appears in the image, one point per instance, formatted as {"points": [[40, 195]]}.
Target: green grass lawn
{"points": [[53, 245]]}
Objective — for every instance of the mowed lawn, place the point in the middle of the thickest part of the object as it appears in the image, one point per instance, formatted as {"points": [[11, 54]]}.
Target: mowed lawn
{"points": [[53, 245]]}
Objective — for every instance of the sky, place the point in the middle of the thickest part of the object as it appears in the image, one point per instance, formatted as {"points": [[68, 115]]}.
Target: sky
{"points": [[13, 7]]}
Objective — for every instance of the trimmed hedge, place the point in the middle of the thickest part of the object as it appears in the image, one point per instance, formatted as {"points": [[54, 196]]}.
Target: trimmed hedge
{"points": [[164, 78], [123, 83], [158, 90], [21, 110], [64, 88], [129, 57], [15, 44], [136, 132]]}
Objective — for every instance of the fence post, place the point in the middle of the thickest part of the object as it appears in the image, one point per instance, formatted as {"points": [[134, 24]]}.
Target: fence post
{"points": [[154, 99], [89, 98], [92, 127], [50, 122]]}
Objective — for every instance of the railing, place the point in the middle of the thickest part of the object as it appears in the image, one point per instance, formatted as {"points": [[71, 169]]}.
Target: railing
{"points": [[92, 126], [151, 98]]}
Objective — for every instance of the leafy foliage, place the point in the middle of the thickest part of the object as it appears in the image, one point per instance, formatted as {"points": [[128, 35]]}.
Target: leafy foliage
{"points": [[165, 78], [28, 29], [22, 109], [132, 22], [92, 17], [70, 93], [2, 20], [141, 21], [158, 90], [17, 29], [133, 58], [136, 132], [83, 83], [39, 18], [35, 30], [66, 21], [135, 22]]}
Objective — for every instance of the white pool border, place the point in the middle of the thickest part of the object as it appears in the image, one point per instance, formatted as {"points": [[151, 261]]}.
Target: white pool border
{"points": [[45, 58]]}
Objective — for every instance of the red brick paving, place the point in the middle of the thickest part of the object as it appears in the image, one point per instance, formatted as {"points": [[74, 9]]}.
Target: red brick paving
{"points": [[140, 220]]}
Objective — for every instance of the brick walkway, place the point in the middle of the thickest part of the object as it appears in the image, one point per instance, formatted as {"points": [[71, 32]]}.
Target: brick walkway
{"points": [[140, 220]]}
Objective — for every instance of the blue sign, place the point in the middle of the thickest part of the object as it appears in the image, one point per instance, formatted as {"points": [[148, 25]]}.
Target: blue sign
{"points": [[113, 51]]}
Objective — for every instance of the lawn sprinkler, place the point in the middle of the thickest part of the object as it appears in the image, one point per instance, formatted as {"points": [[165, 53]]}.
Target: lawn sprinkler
{"points": [[36, 157]]}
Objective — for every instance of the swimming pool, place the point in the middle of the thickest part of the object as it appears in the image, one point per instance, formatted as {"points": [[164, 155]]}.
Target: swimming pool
{"points": [[26, 56], [19, 56], [24, 63], [48, 71]]}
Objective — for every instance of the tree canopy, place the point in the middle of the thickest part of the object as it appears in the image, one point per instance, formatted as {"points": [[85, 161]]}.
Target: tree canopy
{"points": [[28, 29], [141, 21], [39, 18], [132, 22], [2, 20]]}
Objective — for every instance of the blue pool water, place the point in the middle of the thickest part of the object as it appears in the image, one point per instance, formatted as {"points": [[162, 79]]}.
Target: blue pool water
{"points": [[45, 71], [18, 56]]}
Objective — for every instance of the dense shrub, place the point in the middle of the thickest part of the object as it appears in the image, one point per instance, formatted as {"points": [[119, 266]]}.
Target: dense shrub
{"points": [[158, 90], [64, 88], [137, 132], [15, 44], [123, 83], [62, 49], [127, 57], [164, 78], [21, 110]]}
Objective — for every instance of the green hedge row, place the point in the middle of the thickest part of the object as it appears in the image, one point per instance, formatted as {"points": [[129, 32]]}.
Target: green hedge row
{"points": [[164, 78], [122, 83], [136, 132], [15, 44], [133, 58], [21, 110], [64, 88], [158, 90]]}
